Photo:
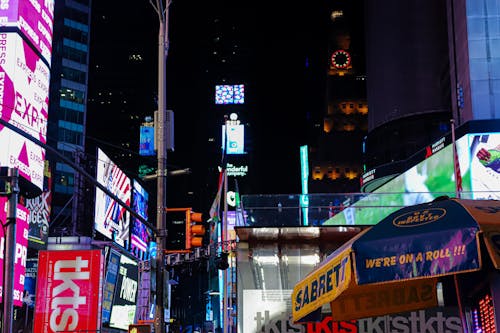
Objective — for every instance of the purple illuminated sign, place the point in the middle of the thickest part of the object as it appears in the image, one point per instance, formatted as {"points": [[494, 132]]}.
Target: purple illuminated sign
{"points": [[34, 18], [24, 99]]}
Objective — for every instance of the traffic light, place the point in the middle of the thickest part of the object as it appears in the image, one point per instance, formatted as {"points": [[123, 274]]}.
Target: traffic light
{"points": [[184, 229], [194, 230], [176, 228]]}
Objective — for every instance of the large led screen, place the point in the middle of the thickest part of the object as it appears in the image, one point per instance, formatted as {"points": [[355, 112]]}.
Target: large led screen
{"points": [[68, 293], [141, 234], [125, 298], [230, 94], [233, 139], [21, 250], [432, 177], [111, 219], [35, 20], [24, 99], [484, 149]]}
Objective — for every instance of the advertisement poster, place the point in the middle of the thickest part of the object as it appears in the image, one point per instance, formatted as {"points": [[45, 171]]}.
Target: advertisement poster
{"points": [[111, 219], [39, 208], [21, 250], [266, 311], [125, 298], [24, 99], [141, 234], [485, 165], [69, 287], [109, 285], [35, 20]]}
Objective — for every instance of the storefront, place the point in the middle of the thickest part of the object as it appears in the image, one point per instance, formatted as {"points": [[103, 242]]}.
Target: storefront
{"points": [[404, 262]]}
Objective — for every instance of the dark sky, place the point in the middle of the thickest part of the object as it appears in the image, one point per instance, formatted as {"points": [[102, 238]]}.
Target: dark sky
{"points": [[278, 52]]}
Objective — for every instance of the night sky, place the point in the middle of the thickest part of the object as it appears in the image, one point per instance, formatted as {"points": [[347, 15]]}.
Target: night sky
{"points": [[275, 50]]}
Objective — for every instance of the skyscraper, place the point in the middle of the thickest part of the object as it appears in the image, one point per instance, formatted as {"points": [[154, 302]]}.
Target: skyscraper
{"points": [[68, 105]]}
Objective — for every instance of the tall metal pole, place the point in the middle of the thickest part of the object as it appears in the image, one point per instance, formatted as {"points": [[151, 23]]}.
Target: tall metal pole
{"points": [[10, 250], [161, 128]]}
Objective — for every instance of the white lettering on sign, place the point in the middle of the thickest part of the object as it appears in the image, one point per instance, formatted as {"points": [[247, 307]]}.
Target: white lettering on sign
{"points": [[64, 314]]}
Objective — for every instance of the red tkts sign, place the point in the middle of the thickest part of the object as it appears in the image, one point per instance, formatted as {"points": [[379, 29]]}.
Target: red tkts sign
{"points": [[68, 291]]}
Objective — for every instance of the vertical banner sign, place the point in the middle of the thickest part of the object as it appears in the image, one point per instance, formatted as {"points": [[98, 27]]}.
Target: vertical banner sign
{"points": [[21, 249], [69, 290], [109, 285], [24, 100], [304, 172]]}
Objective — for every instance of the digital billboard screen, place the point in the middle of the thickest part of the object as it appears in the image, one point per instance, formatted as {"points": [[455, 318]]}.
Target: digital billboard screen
{"points": [[109, 284], [125, 298], [484, 150], [34, 19], [111, 219], [21, 251], [24, 100], [230, 94], [141, 234], [233, 139], [147, 141], [40, 208], [430, 178], [68, 293]]}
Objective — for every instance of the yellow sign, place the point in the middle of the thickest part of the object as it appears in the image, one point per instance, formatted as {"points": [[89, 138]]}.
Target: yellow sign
{"points": [[322, 286], [363, 301]]}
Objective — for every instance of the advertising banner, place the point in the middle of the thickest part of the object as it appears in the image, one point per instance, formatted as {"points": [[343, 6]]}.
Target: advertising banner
{"points": [[111, 219], [34, 18], [141, 234], [109, 285], [268, 311], [40, 208], [125, 298], [323, 285], [69, 291], [418, 242], [24, 99], [21, 249]]}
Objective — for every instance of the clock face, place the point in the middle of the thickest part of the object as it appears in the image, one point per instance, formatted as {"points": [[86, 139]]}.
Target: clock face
{"points": [[341, 59]]}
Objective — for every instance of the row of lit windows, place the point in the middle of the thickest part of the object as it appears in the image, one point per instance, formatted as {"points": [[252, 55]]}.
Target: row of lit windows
{"points": [[72, 95], [321, 173], [351, 107]]}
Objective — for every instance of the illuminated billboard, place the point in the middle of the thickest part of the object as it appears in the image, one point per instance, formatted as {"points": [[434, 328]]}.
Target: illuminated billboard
{"points": [[109, 284], [430, 178], [147, 141], [484, 150], [68, 293], [24, 99], [34, 19], [111, 219], [141, 234], [40, 208], [21, 251], [234, 135], [230, 94], [125, 298]]}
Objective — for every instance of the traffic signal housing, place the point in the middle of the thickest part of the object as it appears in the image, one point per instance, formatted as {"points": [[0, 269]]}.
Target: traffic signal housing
{"points": [[194, 229], [185, 229]]}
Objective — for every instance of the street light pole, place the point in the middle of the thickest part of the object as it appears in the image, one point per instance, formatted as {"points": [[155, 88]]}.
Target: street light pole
{"points": [[161, 129]]}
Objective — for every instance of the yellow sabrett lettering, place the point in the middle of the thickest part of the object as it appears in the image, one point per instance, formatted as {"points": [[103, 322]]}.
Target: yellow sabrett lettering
{"points": [[330, 278]]}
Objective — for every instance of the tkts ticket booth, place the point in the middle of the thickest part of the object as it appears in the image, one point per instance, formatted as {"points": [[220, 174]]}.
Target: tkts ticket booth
{"points": [[411, 269]]}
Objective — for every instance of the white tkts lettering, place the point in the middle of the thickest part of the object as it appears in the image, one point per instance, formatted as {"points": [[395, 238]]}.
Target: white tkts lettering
{"points": [[64, 314]]}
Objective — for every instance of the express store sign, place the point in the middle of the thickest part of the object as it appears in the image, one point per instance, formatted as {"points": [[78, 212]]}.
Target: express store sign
{"points": [[69, 291]]}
